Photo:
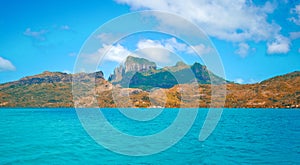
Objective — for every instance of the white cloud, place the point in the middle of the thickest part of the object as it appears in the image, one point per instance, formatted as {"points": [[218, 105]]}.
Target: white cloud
{"points": [[112, 53], [6, 65], [116, 53], [243, 49], [201, 49], [239, 81], [294, 35], [281, 45], [88, 62], [67, 71], [142, 44], [225, 19], [243, 81], [164, 52], [252, 81], [39, 35], [295, 11], [156, 51], [65, 27], [108, 37], [174, 45]]}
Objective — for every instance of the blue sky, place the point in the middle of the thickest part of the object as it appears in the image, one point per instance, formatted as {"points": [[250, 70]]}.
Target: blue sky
{"points": [[256, 40]]}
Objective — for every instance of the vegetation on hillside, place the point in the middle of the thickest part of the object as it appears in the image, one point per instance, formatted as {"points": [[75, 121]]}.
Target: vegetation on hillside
{"points": [[41, 91], [141, 73]]}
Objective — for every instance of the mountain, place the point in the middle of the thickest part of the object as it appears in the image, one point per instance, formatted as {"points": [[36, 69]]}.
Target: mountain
{"points": [[143, 74], [277, 92], [48, 89], [280, 91], [54, 77], [54, 89], [131, 66]]}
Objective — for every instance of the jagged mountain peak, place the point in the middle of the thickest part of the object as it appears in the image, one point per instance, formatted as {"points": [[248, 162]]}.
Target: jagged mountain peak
{"points": [[132, 65], [137, 64], [142, 73]]}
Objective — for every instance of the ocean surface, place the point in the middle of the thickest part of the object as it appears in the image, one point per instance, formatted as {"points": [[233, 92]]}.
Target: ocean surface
{"points": [[242, 136]]}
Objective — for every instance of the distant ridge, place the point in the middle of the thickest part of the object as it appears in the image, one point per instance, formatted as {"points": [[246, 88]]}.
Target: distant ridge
{"points": [[54, 77], [54, 89], [48, 89]]}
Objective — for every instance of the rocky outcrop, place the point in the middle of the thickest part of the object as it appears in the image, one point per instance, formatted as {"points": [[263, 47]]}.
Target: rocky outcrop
{"points": [[143, 74], [117, 75], [134, 64], [131, 65]]}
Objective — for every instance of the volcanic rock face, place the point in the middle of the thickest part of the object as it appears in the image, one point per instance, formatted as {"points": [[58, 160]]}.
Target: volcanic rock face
{"points": [[132, 64], [117, 76]]}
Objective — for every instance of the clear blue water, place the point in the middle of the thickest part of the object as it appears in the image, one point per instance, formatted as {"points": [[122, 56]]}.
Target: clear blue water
{"points": [[55, 136]]}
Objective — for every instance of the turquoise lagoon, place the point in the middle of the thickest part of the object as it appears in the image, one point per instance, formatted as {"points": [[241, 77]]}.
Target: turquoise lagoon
{"points": [[55, 136]]}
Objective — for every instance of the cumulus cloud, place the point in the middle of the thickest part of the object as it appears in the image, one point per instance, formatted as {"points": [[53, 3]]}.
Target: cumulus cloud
{"points": [[243, 49], [230, 20], [6, 65], [173, 45], [151, 44], [170, 44], [201, 49], [113, 53], [155, 51], [38, 35], [161, 51], [280, 45], [296, 12], [294, 35]]}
